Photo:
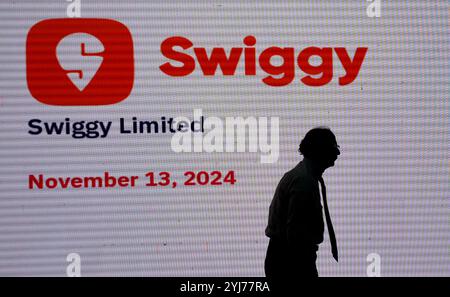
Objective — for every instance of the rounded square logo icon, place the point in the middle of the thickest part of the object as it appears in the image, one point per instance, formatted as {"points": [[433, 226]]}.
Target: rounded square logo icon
{"points": [[76, 61]]}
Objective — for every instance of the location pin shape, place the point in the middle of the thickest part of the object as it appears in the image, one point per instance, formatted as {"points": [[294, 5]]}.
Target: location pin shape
{"points": [[80, 55]]}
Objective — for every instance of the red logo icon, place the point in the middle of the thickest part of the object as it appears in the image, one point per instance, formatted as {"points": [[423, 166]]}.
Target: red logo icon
{"points": [[79, 61]]}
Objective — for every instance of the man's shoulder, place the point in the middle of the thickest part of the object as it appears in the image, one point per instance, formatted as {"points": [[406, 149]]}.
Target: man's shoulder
{"points": [[299, 179]]}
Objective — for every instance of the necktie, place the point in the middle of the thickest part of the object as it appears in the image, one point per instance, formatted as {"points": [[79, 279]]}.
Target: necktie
{"points": [[334, 250]]}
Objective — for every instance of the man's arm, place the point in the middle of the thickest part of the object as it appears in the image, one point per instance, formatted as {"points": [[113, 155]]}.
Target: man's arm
{"points": [[300, 223]]}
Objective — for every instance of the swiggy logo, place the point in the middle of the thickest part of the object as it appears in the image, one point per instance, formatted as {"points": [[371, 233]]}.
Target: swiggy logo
{"points": [[79, 61]]}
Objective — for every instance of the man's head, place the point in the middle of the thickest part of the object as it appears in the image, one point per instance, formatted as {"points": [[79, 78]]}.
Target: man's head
{"points": [[320, 146]]}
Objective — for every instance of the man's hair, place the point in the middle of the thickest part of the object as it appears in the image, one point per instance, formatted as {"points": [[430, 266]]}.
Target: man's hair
{"points": [[316, 142]]}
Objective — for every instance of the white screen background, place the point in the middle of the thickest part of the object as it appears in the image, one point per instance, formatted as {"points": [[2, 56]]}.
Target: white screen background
{"points": [[388, 192]]}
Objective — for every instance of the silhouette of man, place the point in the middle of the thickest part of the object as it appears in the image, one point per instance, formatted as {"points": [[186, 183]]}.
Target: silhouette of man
{"points": [[296, 223]]}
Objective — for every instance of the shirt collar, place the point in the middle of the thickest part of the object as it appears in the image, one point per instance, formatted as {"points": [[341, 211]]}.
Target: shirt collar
{"points": [[311, 168]]}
